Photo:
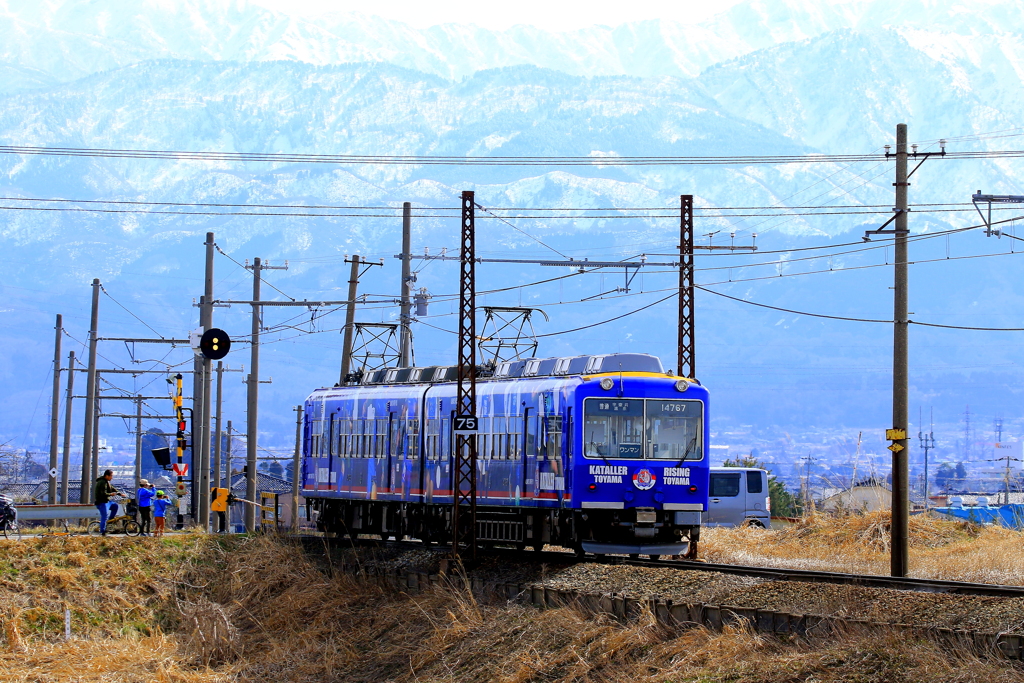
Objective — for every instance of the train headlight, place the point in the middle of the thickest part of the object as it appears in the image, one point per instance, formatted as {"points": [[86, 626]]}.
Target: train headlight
{"points": [[682, 385], [607, 383]]}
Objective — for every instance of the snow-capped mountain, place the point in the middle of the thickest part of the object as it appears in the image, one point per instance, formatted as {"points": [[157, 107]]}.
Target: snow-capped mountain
{"points": [[762, 78]]}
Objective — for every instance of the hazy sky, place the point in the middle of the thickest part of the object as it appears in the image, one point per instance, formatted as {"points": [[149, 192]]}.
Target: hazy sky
{"points": [[556, 16]]}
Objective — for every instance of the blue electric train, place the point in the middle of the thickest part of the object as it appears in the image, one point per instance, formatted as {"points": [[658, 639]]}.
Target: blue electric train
{"points": [[601, 454]]}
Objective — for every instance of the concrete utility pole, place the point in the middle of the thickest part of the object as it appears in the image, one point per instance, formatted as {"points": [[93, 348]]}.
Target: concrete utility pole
{"points": [[65, 464], [252, 400], [900, 557], [296, 468], [138, 438], [350, 319], [227, 468], [51, 488], [252, 393], [217, 433], [94, 475], [90, 400], [201, 476], [927, 442], [405, 338]]}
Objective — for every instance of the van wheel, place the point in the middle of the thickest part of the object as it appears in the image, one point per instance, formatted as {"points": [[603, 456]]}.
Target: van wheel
{"points": [[754, 524]]}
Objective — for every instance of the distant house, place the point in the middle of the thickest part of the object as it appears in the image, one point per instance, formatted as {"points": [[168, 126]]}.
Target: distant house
{"points": [[865, 497], [23, 492], [265, 483]]}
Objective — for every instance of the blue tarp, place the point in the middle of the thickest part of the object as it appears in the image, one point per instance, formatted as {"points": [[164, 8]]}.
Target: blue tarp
{"points": [[1011, 516]]}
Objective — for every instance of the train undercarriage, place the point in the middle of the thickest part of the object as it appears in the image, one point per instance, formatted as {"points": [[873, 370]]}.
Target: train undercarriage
{"points": [[634, 531]]}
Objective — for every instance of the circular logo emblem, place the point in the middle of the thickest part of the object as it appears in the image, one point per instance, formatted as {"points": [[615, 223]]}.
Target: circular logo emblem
{"points": [[644, 479]]}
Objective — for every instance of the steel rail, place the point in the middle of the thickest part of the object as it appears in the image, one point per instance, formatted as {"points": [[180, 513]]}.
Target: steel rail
{"points": [[920, 585]]}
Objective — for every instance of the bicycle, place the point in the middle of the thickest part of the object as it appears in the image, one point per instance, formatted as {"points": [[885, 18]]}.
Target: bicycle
{"points": [[122, 524], [9, 518]]}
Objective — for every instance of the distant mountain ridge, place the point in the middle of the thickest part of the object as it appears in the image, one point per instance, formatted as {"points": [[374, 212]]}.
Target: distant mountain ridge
{"points": [[763, 78], [70, 39]]}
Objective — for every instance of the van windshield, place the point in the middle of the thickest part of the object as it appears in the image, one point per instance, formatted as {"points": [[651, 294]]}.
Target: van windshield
{"points": [[653, 429]]}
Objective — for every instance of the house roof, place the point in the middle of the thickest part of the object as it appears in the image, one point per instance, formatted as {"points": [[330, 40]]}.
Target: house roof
{"points": [[265, 483], [21, 492]]}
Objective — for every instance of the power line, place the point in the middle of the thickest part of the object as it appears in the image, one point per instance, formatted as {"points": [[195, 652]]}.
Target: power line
{"points": [[429, 160], [103, 289]]}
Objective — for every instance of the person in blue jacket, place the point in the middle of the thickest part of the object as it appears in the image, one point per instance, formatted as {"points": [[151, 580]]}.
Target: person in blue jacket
{"points": [[160, 505], [144, 498]]}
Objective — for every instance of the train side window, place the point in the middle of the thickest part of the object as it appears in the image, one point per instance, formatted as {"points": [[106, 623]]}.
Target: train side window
{"points": [[382, 437], [530, 434], [553, 444], [754, 482], [413, 447], [724, 485], [314, 438]]}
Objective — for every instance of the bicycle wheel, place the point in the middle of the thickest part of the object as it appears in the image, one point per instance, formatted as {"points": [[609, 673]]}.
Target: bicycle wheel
{"points": [[131, 528], [16, 528], [93, 529]]}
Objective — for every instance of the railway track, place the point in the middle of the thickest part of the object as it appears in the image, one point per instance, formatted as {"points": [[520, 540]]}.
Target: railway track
{"points": [[766, 573], [770, 600]]}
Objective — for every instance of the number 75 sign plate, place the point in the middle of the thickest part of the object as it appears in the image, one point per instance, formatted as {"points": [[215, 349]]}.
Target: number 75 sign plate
{"points": [[466, 424]]}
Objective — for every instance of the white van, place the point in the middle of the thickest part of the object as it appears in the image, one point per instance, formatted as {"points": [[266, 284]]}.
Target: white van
{"points": [[738, 496]]}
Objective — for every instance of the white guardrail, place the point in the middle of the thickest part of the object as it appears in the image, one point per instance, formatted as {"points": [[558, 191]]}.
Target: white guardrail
{"points": [[28, 513]]}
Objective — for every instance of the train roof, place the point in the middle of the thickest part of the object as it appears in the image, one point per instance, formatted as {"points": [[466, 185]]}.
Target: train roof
{"points": [[519, 368]]}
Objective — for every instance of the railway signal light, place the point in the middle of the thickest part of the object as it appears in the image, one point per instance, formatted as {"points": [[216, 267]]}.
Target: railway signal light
{"points": [[181, 488], [214, 344]]}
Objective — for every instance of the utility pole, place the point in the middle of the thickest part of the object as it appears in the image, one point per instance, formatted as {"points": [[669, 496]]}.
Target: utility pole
{"points": [[296, 469], [66, 461], [96, 433], [252, 400], [900, 557], [686, 355], [90, 401], [252, 392], [202, 473], [464, 472], [350, 319], [217, 434], [405, 339], [227, 467], [927, 442], [51, 488], [138, 439]]}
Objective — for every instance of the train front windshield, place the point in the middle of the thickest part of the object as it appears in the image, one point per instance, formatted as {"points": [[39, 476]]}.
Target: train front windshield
{"points": [[654, 429]]}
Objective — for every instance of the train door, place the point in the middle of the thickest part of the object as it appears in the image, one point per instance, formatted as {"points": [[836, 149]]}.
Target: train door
{"points": [[411, 465], [385, 439], [526, 475], [531, 470], [443, 464], [567, 451], [396, 453]]}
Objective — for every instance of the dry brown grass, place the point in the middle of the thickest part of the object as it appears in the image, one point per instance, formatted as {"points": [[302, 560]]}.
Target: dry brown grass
{"points": [[261, 609], [940, 549]]}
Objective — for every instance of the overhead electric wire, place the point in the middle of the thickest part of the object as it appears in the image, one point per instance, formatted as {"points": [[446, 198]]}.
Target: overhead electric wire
{"points": [[522, 231], [429, 160], [782, 212], [104, 290], [262, 279]]}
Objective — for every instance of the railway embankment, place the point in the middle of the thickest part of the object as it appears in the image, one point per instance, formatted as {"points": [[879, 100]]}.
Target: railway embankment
{"points": [[195, 607]]}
